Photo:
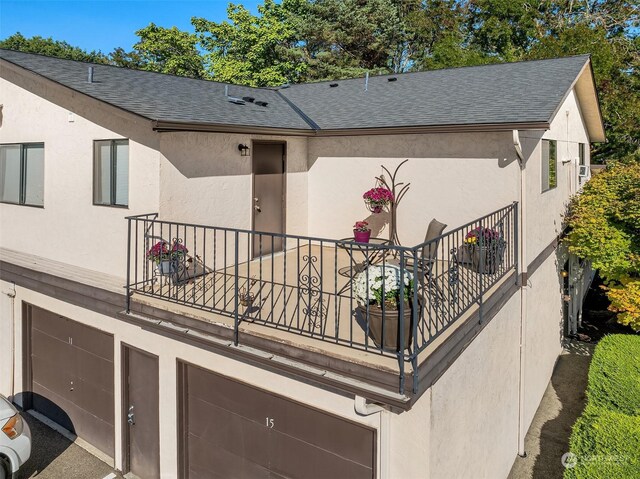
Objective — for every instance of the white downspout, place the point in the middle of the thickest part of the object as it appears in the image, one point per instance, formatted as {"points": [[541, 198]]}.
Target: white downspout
{"points": [[11, 294], [522, 279], [363, 409]]}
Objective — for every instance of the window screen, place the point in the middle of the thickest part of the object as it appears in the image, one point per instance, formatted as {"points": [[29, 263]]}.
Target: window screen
{"points": [[111, 172], [22, 174]]}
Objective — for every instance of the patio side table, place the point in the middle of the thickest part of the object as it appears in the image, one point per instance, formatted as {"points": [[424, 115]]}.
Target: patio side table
{"points": [[372, 252]]}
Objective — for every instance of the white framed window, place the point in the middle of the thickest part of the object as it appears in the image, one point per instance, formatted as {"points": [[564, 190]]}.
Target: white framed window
{"points": [[111, 172], [549, 164], [22, 174], [581, 154]]}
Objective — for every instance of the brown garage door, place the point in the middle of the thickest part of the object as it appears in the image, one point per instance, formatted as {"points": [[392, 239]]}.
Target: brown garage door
{"points": [[232, 430], [69, 367]]}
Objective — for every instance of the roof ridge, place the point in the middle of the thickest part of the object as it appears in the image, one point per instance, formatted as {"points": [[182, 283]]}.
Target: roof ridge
{"points": [[135, 69], [293, 85]]}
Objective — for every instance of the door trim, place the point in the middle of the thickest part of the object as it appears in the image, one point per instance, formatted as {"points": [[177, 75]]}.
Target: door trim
{"points": [[124, 370], [284, 185]]}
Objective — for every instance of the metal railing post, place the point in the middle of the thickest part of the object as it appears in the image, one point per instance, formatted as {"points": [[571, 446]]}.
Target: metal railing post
{"points": [[400, 333], [515, 241], [236, 322], [129, 265], [480, 281], [415, 317]]}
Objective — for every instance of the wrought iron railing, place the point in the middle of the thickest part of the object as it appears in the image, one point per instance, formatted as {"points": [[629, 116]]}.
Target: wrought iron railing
{"points": [[331, 290]]}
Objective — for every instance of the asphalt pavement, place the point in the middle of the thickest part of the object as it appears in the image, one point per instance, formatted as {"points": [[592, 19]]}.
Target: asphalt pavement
{"points": [[53, 456]]}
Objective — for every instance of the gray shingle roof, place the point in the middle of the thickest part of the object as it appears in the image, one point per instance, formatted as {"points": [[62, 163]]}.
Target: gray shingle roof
{"points": [[522, 92], [502, 93], [164, 97]]}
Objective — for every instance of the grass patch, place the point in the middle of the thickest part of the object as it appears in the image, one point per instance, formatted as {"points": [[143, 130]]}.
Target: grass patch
{"points": [[614, 375], [605, 440]]}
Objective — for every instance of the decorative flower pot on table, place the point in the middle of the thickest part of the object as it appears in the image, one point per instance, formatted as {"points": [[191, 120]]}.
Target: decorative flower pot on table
{"points": [[361, 236]]}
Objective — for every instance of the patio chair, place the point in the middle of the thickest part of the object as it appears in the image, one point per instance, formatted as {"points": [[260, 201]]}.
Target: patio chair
{"points": [[428, 258]]}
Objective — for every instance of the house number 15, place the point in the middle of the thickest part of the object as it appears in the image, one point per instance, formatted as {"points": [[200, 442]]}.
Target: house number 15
{"points": [[269, 422]]}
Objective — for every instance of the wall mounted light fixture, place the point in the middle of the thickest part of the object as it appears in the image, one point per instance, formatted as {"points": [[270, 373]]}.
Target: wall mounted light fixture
{"points": [[244, 149]]}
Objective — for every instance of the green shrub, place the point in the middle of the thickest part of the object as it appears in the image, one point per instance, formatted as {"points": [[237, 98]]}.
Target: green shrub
{"points": [[614, 375], [606, 444]]}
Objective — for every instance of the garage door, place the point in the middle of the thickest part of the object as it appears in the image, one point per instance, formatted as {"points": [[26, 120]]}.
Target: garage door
{"points": [[70, 370], [232, 430]]}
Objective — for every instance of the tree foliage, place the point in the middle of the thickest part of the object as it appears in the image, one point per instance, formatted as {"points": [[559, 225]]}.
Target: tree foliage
{"points": [[604, 226], [51, 48], [256, 50], [164, 50]]}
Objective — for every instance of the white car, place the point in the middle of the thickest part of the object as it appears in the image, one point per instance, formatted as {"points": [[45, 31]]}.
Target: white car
{"points": [[15, 439]]}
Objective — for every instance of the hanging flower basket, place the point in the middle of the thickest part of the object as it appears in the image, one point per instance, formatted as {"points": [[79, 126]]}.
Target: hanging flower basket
{"points": [[377, 198]]}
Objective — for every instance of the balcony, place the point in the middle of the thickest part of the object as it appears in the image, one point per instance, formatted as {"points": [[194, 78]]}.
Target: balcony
{"points": [[323, 295]]}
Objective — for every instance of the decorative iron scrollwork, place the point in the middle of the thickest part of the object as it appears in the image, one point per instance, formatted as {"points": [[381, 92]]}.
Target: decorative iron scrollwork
{"points": [[309, 291], [453, 276]]}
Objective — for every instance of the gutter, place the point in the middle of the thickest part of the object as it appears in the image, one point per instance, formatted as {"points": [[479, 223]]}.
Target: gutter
{"points": [[166, 126], [522, 282]]}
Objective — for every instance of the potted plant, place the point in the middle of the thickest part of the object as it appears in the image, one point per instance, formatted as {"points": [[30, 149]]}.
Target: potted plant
{"points": [[377, 291], [485, 247], [377, 198], [361, 232], [167, 257]]}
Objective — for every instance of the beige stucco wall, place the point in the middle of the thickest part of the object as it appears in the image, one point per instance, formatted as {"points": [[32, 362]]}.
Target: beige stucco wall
{"points": [[454, 178], [544, 330], [545, 210], [70, 228], [205, 180], [474, 405]]}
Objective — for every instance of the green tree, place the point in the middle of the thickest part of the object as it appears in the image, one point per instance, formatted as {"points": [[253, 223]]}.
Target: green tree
{"points": [[439, 32], [616, 63], [164, 50], [346, 38], [604, 224], [504, 28], [51, 48], [256, 50]]}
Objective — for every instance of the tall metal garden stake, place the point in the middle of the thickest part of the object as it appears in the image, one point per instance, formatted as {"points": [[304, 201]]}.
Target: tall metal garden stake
{"points": [[398, 190]]}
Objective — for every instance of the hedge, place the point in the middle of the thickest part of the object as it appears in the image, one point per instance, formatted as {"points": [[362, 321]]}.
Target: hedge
{"points": [[605, 441], [606, 445], [614, 374]]}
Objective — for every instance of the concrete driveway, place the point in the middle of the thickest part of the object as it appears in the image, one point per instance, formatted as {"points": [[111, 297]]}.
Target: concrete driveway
{"points": [[53, 456]]}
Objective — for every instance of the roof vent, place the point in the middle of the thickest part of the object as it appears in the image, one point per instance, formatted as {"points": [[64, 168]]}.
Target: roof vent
{"points": [[261, 103], [333, 85], [286, 85], [250, 99], [90, 75], [237, 101], [392, 79]]}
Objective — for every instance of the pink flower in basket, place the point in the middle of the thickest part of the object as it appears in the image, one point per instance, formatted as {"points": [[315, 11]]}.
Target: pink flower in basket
{"points": [[378, 198]]}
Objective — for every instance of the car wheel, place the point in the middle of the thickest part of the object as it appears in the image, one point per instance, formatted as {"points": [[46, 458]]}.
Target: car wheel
{"points": [[5, 468]]}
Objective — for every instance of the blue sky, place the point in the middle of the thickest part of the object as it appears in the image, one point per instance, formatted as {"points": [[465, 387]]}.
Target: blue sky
{"points": [[105, 24]]}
